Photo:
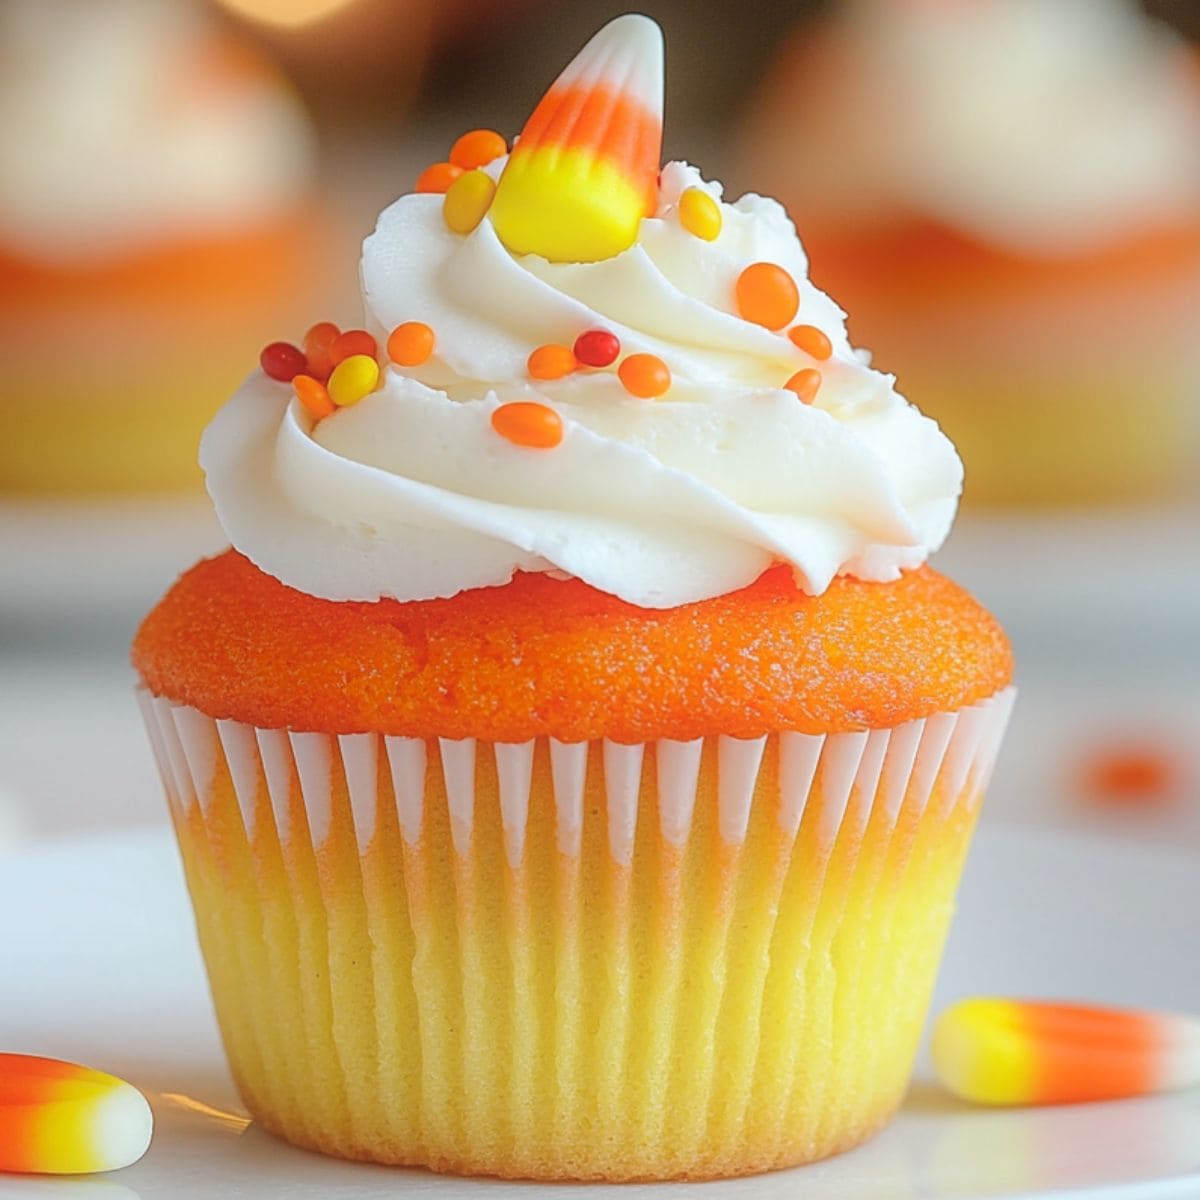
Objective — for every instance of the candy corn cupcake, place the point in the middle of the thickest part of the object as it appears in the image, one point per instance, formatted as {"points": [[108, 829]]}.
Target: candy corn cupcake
{"points": [[155, 224], [574, 757], [1029, 171]]}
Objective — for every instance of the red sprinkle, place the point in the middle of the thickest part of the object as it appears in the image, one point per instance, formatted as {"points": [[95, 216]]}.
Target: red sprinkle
{"points": [[597, 348], [282, 361], [318, 347], [353, 341]]}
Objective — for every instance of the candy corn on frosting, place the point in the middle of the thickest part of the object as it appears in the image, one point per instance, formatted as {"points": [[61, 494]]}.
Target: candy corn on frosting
{"points": [[574, 756]]}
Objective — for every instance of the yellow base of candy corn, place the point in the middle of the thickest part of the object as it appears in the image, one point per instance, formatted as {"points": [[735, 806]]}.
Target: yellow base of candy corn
{"points": [[981, 1053], [713, 1010], [566, 205]]}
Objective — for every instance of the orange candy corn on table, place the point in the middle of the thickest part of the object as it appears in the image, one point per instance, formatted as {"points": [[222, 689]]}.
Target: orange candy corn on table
{"points": [[57, 1118]]}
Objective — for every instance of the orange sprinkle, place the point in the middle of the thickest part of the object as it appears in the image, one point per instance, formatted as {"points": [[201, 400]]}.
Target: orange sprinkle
{"points": [[806, 384], [527, 423], [812, 341], [410, 344], [438, 177], [318, 349], [1131, 774], [551, 362], [353, 341], [767, 295], [313, 394], [645, 375], [477, 148]]}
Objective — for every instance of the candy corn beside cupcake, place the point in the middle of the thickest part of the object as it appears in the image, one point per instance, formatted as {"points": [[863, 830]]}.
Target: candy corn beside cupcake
{"points": [[574, 758], [156, 222], [1006, 196]]}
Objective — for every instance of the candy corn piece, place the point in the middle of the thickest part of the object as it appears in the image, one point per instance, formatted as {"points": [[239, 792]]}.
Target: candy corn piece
{"points": [[584, 171], [60, 1119], [1008, 1052]]}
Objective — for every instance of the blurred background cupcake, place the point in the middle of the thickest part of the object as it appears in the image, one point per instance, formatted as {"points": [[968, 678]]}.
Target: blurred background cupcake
{"points": [[1006, 196], [157, 225], [1109, 655]]}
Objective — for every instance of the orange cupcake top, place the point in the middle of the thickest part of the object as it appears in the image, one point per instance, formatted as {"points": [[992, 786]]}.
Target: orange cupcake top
{"points": [[543, 656]]}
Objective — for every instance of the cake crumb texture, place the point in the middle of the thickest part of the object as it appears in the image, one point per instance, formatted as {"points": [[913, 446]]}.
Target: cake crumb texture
{"points": [[550, 657]]}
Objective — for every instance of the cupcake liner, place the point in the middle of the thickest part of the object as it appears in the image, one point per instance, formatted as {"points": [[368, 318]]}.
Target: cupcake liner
{"points": [[587, 960]]}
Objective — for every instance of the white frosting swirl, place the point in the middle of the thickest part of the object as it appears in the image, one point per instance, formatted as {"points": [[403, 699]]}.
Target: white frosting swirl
{"points": [[126, 124], [411, 494]]}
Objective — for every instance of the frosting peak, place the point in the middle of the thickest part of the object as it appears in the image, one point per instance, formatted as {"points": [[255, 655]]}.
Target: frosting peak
{"points": [[413, 493]]}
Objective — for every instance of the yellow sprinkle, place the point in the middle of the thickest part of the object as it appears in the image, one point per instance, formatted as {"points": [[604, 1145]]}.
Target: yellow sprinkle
{"points": [[352, 379], [468, 198], [700, 214]]}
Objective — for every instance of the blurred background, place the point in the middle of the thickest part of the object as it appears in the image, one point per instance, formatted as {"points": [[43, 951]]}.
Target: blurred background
{"points": [[1004, 194]]}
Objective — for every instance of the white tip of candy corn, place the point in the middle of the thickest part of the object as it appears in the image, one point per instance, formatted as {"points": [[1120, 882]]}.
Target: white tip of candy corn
{"points": [[626, 56], [122, 1128], [1181, 1056]]}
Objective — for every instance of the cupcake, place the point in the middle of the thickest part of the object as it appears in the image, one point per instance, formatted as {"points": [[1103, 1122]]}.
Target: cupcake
{"points": [[1006, 196], [573, 759], [156, 222]]}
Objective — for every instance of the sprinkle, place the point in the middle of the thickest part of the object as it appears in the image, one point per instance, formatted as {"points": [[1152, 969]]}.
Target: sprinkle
{"points": [[477, 148], [597, 348], [318, 349], [314, 395], [700, 214], [468, 198], [812, 341], [352, 379], [527, 423], [806, 384], [1006, 1052], [645, 375], [282, 361], [410, 344], [438, 177], [767, 295], [57, 1118], [551, 362], [1132, 773], [353, 341]]}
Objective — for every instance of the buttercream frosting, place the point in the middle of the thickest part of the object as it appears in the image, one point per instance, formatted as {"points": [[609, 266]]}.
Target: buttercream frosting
{"points": [[126, 124], [411, 494]]}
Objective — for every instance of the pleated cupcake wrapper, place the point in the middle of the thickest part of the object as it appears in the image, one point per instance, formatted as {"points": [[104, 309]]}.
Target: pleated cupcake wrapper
{"points": [[720, 958], [956, 751]]}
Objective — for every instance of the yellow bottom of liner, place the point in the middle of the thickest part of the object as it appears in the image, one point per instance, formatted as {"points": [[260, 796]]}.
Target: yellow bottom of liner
{"points": [[711, 1010]]}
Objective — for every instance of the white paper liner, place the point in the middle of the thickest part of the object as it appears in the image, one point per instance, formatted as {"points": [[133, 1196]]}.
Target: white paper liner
{"points": [[943, 760]]}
